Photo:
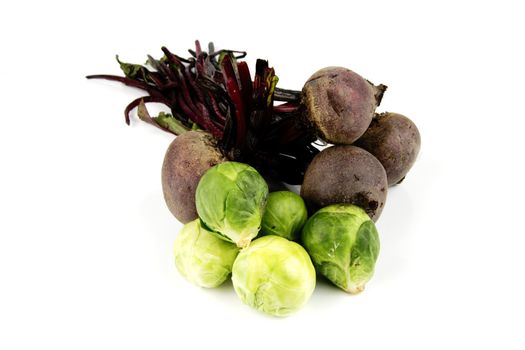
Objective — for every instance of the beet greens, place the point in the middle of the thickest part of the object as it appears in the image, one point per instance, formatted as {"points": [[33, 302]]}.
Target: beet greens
{"points": [[213, 90]]}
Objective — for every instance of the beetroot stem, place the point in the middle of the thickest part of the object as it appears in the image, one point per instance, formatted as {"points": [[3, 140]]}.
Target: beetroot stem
{"points": [[146, 99], [215, 92], [286, 107], [232, 86], [287, 95], [123, 80]]}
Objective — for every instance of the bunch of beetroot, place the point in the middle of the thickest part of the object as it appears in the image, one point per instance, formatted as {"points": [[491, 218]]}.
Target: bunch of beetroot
{"points": [[220, 113]]}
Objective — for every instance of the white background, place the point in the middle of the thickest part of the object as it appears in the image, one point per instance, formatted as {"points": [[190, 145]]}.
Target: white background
{"points": [[85, 237]]}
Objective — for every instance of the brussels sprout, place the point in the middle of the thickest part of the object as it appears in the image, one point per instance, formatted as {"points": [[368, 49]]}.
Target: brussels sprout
{"points": [[230, 201], [201, 257], [274, 275], [344, 245], [285, 215]]}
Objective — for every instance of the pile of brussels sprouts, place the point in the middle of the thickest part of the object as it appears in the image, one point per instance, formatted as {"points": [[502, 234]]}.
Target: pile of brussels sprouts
{"points": [[267, 243]]}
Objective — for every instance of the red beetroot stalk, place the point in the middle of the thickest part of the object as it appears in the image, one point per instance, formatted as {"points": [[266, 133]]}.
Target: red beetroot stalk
{"points": [[246, 84], [286, 107], [135, 103], [216, 108], [196, 114], [233, 89], [214, 91], [184, 88], [198, 50], [126, 81], [197, 118], [199, 104]]}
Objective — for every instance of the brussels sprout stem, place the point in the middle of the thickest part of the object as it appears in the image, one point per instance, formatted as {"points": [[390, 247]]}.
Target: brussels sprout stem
{"points": [[243, 243], [355, 289]]}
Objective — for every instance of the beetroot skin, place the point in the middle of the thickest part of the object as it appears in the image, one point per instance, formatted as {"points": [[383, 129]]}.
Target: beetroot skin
{"points": [[340, 104], [345, 174], [395, 141], [188, 157]]}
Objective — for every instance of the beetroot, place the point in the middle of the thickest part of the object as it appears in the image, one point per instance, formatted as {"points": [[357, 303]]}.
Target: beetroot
{"points": [[340, 104], [345, 174], [395, 141], [188, 157]]}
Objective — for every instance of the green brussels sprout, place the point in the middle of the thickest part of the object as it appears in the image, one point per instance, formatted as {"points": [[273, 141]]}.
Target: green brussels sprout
{"points": [[343, 244], [230, 200], [285, 215], [274, 275], [201, 257]]}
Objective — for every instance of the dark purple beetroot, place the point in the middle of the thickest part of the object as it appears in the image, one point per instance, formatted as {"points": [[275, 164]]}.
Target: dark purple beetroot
{"points": [[340, 104], [345, 174], [188, 157], [395, 141]]}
